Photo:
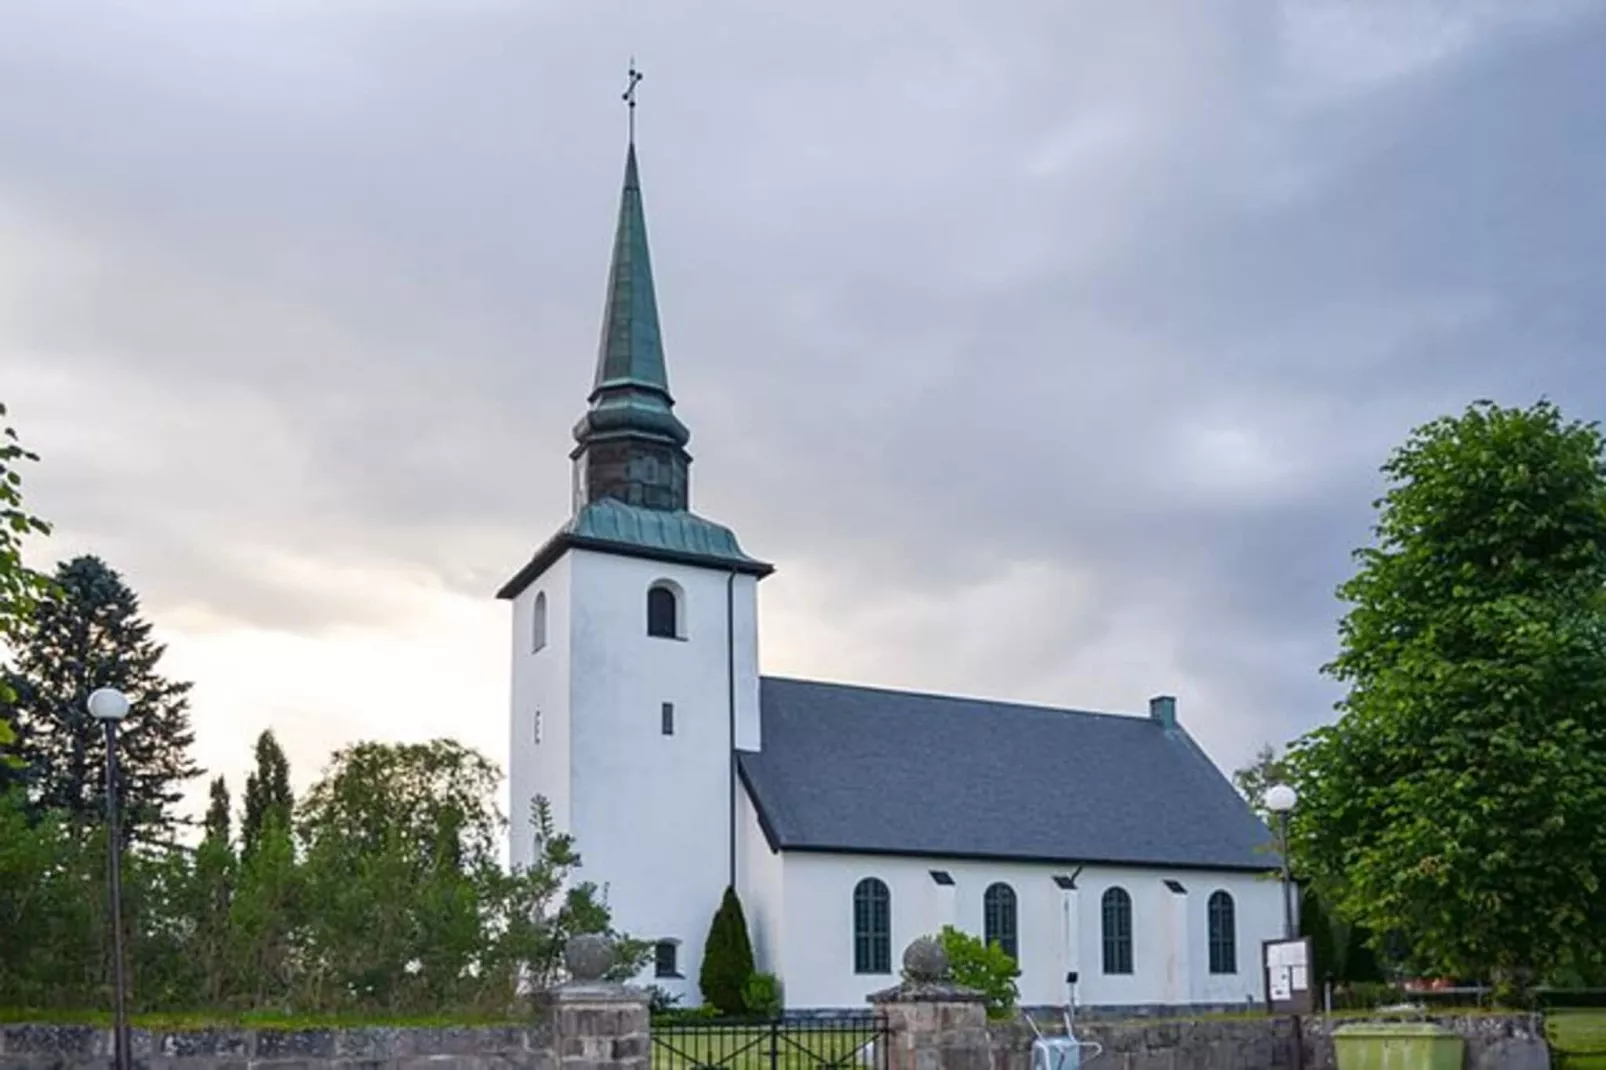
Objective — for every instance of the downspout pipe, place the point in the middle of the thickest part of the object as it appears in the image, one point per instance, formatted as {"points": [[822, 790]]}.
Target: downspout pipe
{"points": [[730, 697]]}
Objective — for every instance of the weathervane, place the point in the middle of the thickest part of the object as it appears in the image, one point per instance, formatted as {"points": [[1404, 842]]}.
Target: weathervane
{"points": [[630, 96]]}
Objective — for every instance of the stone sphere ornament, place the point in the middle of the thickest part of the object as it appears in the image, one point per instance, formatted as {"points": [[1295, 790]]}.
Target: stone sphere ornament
{"points": [[588, 957], [925, 961]]}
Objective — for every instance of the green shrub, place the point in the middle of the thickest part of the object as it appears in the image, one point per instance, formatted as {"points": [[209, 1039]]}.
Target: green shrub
{"points": [[727, 958], [983, 967], [762, 995]]}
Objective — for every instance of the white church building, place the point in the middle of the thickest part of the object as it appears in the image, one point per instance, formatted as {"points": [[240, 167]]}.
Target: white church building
{"points": [[850, 820]]}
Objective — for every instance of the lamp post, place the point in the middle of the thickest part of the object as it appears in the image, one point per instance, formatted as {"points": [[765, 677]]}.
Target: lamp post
{"points": [[109, 706], [1280, 799]]}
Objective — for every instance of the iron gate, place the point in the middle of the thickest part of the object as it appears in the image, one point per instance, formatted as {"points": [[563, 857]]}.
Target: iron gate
{"points": [[851, 1042]]}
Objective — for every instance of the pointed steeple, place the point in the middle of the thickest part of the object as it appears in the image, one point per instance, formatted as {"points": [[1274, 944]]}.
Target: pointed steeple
{"points": [[631, 444], [631, 484], [631, 352]]}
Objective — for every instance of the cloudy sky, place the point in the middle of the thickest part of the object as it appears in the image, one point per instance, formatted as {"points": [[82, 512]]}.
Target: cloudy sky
{"points": [[1049, 348]]}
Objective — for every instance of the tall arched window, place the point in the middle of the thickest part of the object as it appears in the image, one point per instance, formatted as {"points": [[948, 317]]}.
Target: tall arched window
{"points": [[1223, 934], [872, 927], [538, 622], [999, 922], [1117, 931], [663, 611]]}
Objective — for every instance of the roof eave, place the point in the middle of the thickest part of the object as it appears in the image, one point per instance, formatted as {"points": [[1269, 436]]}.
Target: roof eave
{"points": [[1044, 860], [764, 824], [555, 547]]}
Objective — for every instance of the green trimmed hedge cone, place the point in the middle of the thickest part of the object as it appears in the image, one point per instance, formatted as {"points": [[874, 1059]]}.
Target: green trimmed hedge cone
{"points": [[727, 958]]}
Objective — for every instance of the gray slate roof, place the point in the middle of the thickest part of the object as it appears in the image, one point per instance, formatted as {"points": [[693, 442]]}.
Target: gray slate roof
{"points": [[858, 769]]}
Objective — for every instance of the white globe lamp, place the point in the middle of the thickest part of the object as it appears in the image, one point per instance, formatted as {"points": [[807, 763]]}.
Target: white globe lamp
{"points": [[1280, 798], [108, 704]]}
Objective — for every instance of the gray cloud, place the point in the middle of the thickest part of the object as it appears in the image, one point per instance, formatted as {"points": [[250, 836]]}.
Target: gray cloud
{"points": [[1051, 353]]}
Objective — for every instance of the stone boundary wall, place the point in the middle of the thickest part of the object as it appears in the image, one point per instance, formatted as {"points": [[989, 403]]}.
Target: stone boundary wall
{"points": [[47, 1047], [1200, 1044], [1493, 1042]]}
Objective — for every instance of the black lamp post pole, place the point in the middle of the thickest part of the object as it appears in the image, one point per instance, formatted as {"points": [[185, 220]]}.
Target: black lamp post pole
{"points": [[1288, 880], [114, 852]]}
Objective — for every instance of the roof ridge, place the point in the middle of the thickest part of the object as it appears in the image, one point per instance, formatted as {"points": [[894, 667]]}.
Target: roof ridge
{"points": [[1011, 704]]}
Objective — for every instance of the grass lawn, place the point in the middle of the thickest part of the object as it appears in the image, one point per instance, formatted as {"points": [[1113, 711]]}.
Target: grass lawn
{"points": [[736, 1048], [1578, 1039]]}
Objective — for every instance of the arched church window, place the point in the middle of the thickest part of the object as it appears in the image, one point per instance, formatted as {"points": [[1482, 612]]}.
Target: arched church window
{"points": [[538, 622], [872, 927], [663, 612], [1000, 924], [1223, 934], [1117, 931]]}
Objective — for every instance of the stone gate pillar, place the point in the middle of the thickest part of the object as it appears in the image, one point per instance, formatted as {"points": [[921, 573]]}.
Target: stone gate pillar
{"points": [[598, 1024], [932, 1023]]}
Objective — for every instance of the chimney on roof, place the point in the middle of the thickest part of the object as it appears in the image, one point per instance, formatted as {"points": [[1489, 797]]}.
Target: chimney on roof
{"points": [[1163, 710]]}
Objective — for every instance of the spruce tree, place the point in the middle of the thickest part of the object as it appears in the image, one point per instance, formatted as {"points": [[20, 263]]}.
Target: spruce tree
{"points": [[267, 791], [727, 958], [83, 635]]}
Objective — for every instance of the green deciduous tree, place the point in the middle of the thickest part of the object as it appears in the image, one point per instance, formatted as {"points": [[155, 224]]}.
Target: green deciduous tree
{"points": [[727, 958], [209, 898], [1260, 774], [400, 842], [51, 910], [218, 822], [1459, 802], [20, 586], [983, 967], [395, 904], [84, 635], [266, 920]]}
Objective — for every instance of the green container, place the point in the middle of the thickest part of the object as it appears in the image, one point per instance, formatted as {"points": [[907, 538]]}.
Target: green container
{"points": [[1577, 1039], [1397, 1046]]}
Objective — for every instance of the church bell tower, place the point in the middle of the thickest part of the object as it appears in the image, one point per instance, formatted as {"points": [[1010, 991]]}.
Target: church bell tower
{"points": [[635, 647]]}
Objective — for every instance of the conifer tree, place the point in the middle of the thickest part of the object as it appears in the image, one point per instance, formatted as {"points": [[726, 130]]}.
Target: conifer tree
{"points": [[727, 958], [267, 791], [83, 635]]}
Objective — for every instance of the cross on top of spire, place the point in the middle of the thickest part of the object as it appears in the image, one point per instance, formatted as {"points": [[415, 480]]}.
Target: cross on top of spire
{"points": [[629, 96]]}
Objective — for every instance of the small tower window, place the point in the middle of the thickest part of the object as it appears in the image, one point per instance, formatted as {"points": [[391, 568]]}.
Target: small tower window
{"points": [[663, 612], [536, 726], [668, 717], [665, 958], [538, 622]]}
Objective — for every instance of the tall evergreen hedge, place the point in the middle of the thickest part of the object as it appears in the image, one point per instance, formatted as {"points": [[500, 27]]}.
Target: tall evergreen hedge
{"points": [[727, 958]]}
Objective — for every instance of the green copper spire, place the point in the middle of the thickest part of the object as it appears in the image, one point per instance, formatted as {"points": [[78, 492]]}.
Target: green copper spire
{"points": [[631, 352], [631, 444]]}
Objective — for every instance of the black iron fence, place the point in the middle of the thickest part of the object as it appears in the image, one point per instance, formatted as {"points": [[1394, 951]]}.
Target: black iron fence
{"points": [[1381, 996], [856, 1042]]}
